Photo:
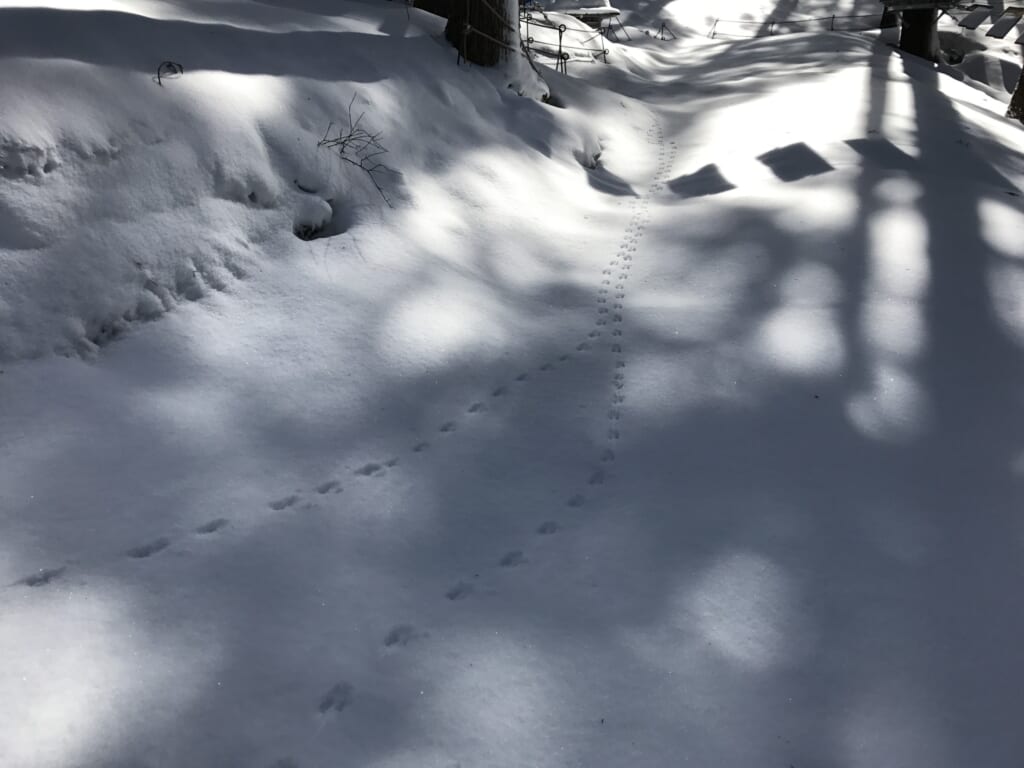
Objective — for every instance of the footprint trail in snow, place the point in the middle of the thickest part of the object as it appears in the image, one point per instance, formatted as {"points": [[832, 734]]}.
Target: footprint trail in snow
{"points": [[610, 301]]}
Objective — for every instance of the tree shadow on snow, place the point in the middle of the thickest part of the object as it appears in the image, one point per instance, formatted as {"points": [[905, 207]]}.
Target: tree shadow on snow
{"points": [[771, 553]]}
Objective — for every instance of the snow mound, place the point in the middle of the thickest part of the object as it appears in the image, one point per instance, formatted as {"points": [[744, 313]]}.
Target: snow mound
{"points": [[167, 190]]}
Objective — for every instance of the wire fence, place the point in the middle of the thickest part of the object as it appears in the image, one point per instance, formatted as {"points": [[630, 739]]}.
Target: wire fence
{"points": [[533, 19], [564, 48], [747, 29]]}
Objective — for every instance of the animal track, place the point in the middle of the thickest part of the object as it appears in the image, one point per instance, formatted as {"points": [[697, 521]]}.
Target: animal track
{"points": [[212, 526], [148, 550], [42, 577], [402, 635], [328, 486], [284, 503], [336, 699], [459, 591], [420, 447], [512, 559], [366, 471], [616, 273]]}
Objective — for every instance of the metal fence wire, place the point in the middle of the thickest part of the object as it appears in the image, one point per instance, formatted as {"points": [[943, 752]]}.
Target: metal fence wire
{"points": [[533, 16], [560, 52], [745, 28], [536, 18]]}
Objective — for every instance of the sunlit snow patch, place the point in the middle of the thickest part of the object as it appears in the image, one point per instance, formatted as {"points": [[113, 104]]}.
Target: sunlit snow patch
{"points": [[748, 609]]}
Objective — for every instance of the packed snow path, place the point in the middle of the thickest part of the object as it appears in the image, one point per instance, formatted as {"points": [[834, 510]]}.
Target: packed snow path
{"points": [[750, 497]]}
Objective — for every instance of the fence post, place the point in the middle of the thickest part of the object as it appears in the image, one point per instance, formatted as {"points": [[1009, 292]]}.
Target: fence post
{"points": [[622, 28], [832, 24]]}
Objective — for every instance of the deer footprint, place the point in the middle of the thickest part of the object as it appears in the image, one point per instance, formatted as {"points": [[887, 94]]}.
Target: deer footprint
{"points": [[212, 526], [284, 503], [42, 577], [512, 559], [401, 635], [148, 550], [336, 699], [459, 591]]}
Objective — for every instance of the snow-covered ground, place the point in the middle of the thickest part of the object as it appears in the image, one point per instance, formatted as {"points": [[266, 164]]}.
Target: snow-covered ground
{"points": [[680, 423]]}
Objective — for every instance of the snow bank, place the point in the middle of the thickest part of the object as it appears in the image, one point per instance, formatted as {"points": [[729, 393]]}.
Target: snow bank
{"points": [[122, 197]]}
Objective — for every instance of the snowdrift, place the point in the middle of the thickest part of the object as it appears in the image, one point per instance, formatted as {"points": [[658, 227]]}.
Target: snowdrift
{"points": [[122, 196]]}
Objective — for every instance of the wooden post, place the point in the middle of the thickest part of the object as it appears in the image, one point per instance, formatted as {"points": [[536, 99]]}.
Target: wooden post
{"points": [[479, 31], [1016, 110], [919, 33]]}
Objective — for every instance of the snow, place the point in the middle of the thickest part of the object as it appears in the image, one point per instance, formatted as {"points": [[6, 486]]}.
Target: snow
{"points": [[674, 421]]}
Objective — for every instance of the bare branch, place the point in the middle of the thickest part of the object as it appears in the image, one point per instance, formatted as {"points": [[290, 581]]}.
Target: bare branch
{"points": [[359, 147]]}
